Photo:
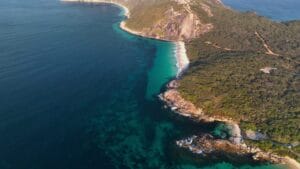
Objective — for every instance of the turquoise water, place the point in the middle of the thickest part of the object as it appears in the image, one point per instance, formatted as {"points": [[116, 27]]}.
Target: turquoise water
{"points": [[163, 68], [76, 92]]}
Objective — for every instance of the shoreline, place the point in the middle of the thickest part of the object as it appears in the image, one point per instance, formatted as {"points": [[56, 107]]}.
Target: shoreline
{"points": [[209, 144], [126, 10], [181, 58], [180, 50], [182, 65]]}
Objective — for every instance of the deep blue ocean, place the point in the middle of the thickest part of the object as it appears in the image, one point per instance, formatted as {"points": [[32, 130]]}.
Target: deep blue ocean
{"points": [[76, 92], [278, 10]]}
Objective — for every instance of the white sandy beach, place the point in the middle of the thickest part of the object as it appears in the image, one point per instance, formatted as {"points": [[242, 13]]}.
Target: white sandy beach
{"points": [[126, 10], [292, 163], [180, 50], [181, 57], [182, 64]]}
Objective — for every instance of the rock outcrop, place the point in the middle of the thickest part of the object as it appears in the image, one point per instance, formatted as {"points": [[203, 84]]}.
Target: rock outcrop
{"points": [[173, 99], [253, 135], [177, 26], [206, 144], [176, 22]]}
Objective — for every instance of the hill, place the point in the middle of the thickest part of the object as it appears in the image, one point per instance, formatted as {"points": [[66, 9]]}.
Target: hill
{"points": [[244, 67]]}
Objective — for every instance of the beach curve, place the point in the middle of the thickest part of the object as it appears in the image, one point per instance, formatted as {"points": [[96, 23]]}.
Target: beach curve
{"points": [[182, 60]]}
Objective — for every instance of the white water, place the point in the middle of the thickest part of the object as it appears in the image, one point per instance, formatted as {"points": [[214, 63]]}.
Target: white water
{"points": [[126, 10], [181, 57]]}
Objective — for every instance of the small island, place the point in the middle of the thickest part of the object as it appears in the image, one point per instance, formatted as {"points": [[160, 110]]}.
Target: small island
{"points": [[242, 70]]}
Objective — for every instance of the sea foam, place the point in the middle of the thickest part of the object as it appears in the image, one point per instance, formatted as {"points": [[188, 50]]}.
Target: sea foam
{"points": [[181, 57]]}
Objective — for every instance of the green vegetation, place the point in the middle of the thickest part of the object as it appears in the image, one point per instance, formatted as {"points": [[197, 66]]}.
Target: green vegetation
{"points": [[147, 15], [269, 145], [225, 77], [230, 83]]}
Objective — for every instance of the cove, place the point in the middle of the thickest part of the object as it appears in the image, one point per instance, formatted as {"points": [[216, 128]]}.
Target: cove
{"points": [[284, 10], [78, 92]]}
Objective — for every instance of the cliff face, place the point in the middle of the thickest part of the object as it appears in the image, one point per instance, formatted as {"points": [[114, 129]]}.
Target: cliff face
{"points": [[167, 19], [176, 25], [172, 20]]}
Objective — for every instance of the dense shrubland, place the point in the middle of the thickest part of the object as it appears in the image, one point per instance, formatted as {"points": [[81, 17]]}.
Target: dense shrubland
{"points": [[227, 81], [225, 78]]}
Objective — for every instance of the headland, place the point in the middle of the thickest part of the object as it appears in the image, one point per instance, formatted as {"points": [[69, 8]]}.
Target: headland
{"points": [[182, 93]]}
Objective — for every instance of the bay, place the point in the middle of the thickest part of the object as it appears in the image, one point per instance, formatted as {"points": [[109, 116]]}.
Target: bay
{"points": [[78, 92]]}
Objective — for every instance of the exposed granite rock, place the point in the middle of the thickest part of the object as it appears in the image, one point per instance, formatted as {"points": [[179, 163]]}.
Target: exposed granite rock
{"points": [[178, 26], [235, 133], [207, 9], [206, 145], [267, 70], [173, 99], [253, 135], [173, 84]]}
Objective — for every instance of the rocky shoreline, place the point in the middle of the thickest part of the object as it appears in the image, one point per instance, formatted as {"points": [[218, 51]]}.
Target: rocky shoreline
{"points": [[206, 144]]}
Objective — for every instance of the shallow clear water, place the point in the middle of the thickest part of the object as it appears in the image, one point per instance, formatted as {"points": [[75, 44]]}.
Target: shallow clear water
{"points": [[78, 92]]}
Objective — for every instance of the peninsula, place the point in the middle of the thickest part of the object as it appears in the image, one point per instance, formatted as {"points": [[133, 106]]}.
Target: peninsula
{"points": [[243, 70]]}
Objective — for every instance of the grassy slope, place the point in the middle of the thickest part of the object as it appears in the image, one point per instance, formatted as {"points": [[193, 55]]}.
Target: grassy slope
{"points": [[230, 83]]}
